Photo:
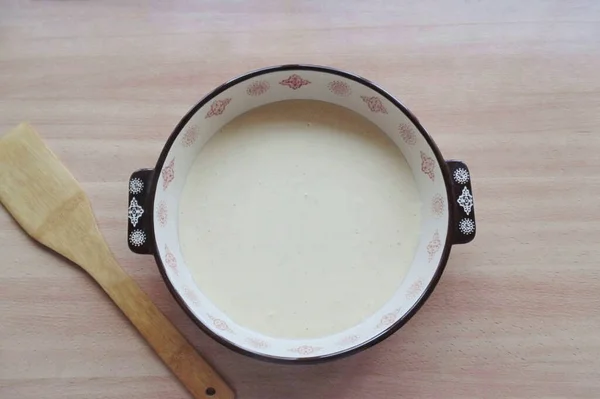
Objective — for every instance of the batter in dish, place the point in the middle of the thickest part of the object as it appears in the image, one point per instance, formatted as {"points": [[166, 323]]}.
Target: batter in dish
{"points": [[299, 219]]}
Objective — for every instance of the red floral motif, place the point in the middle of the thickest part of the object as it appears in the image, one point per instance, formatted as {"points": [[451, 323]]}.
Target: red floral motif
{"points": [[388, 319], [414, 289], [434, 245], [220, 324], [257, 88], [349, 340], [407, 134], [305, 349], [339, 88], [438, 205], [374, 104], [170, 260], [294, 82], [257, 343], [190, 295], [217, 107], [427, 166], [190, 136], [168, 173], [162, 213]]}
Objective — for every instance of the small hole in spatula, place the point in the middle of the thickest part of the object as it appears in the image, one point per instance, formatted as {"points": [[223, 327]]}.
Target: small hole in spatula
{"points": [[210, 391]]}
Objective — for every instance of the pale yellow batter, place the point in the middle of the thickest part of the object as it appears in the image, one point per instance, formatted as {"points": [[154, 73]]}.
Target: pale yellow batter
{"points": [[299, 219]]}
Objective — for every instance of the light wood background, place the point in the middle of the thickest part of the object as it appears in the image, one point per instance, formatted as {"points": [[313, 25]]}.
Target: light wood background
{"points": [[511, 87]]}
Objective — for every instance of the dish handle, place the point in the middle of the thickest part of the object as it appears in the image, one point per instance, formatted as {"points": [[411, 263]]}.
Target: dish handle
{"points": [[464, 227], [139, 225]]}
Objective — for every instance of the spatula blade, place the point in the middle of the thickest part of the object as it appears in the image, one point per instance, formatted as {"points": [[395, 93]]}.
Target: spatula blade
{"points": [[39, 191]]}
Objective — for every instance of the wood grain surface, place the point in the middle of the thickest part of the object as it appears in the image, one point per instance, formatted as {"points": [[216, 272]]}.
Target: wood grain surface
{"points": [[510, 87]]}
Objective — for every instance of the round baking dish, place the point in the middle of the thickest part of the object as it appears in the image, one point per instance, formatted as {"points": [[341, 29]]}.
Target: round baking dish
{"points": [[447, 212]]}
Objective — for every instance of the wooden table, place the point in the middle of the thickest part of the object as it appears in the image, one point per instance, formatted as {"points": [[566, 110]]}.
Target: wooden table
{"points": [[511, 87]]}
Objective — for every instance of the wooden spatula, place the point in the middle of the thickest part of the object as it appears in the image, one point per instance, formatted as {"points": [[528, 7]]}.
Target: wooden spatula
{"points": [[48, 203]]}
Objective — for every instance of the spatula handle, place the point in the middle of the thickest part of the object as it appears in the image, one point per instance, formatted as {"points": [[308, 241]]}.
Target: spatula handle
{"points": [[175, 351]]}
